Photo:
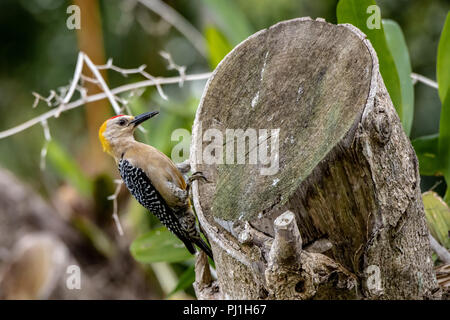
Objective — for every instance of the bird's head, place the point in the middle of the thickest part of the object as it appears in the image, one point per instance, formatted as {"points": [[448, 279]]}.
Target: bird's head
{"points": [[120, 129]]}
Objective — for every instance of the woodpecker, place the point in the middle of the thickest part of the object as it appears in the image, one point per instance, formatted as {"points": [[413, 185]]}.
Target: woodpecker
{"points": [[152, 178]]}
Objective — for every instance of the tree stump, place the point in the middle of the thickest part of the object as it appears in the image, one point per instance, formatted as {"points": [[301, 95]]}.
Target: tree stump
{"points": [[337, 212]]}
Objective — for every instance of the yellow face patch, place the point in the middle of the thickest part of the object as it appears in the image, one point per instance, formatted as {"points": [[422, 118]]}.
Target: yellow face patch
{"points": [[104, 142]]}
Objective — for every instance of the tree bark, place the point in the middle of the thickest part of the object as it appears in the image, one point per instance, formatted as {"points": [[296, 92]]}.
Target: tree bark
{"points": [[342, 217]]}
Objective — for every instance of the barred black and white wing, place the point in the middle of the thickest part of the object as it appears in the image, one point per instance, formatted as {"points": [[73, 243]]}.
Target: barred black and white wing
{"points": [[180, 224]]}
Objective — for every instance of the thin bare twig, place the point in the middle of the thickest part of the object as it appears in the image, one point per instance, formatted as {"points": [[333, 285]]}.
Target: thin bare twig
{"points": [[82, 91], [140, 70], [85, 78], [44, 149], [77, 74], [74, 83], [440, 251], [157, 84], [435, 185], [123, 102], [38, 97], [155, 28], [62, 102], [124, 72], [103, 84], [115, 214], [417, 77], [100, 96], [173, 66], [179, 22]]}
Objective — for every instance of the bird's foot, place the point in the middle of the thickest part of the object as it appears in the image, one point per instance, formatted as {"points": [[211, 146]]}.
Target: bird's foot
{"points": [[195, 176]]}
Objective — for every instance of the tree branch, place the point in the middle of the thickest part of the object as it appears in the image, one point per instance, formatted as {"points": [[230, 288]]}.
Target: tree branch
{"points": [[115, 214], [100, 96], [417, 77], [178, 22], [441, 252]]}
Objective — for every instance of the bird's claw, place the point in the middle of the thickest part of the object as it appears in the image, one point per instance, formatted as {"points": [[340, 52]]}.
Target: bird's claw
{"points": [[197, 176]]}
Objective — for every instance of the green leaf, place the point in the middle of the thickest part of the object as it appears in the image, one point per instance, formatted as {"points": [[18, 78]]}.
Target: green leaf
{"points": [[437, 213], [397, 46], [218, 46], [427, 152], [96, 236], [68, 168], [231, 20], [443, 79], [444, 143], [443, 60], [159, 245], [355, 13], [185, 281]]}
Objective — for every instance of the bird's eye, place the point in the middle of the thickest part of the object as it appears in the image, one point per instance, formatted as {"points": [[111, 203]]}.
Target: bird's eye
{"points": [[122, 122]]}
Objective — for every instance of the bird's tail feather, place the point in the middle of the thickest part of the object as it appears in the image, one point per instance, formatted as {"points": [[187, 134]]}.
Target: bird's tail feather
{"points": [[189, 246], [202, 245]]}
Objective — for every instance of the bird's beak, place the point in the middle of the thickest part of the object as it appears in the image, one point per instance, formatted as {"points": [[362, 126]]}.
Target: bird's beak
{"points": [[143, 117]]}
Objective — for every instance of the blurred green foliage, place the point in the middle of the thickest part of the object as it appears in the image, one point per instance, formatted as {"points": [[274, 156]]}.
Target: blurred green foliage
{"points": [[218, 46], [434, 151], [443, 61], [67, 168], [231, 19], [159, 245], [443, 79], [355, 13], [426, 148], [185, 281], [45, 56], [399, 51], [101, 242], [438, 217]]}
